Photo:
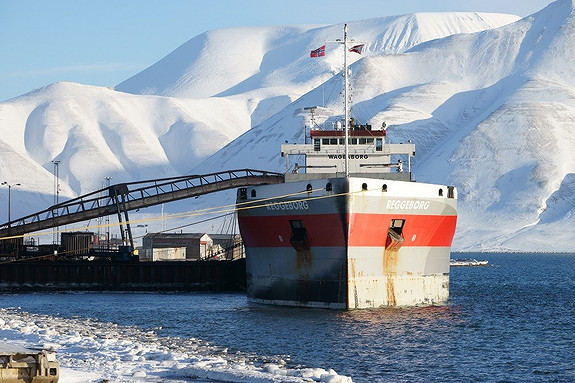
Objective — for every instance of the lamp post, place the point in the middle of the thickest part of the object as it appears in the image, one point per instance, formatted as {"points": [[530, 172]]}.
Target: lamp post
{"points": [[9, 197], [55, 211], [108, 178]]}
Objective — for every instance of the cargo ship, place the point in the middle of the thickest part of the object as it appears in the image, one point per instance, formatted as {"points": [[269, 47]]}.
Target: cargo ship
{"points": [[349, 228]]}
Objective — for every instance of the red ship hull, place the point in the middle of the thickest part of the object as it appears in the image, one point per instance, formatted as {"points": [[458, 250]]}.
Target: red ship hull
{"points": [[348, 243]]}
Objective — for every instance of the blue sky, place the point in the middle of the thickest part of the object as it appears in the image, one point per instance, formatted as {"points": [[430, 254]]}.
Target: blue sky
{"points": [[107, 41]]}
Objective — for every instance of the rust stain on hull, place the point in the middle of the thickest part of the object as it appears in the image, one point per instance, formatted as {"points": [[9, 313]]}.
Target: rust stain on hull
{"points": [[353, 281], [390, 260], [390, 292], [303, 259]]}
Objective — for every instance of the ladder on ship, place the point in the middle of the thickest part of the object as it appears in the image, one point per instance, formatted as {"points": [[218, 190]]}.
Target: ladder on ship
{"points": [[123, 197]]}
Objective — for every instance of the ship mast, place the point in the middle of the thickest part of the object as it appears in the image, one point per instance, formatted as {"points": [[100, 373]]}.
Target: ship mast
{"points": [[346, 101], [345, 96]]}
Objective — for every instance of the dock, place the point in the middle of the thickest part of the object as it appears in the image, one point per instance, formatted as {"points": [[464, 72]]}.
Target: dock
{"points": [[213, 276]]}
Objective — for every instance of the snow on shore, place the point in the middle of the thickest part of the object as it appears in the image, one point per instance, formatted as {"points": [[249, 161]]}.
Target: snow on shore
{"points": [[90, 351]]}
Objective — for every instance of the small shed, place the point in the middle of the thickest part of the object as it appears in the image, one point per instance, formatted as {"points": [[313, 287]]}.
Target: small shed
{"points": [[227, 246], [162, 254], [197, 244]]}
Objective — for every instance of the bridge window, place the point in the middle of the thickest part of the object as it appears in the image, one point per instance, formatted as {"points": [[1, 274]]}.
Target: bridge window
{"points": [[253, 193], [353, 141], [316, 144], [362, 141], [325, 141], [341, 141], [333, 141], [370, 141]]}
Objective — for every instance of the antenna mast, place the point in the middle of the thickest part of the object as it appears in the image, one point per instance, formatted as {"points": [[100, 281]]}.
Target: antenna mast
{"points": [[345, 90], [346, 101]]}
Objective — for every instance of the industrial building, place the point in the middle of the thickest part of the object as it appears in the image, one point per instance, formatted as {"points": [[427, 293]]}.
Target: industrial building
{"points": [[198, 246]]}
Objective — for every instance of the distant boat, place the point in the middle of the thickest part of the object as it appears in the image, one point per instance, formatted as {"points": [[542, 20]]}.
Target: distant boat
{"points": [[467, 262]]}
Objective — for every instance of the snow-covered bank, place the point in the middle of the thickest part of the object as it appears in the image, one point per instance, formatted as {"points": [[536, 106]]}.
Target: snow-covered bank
{"points": [[90, 351]]}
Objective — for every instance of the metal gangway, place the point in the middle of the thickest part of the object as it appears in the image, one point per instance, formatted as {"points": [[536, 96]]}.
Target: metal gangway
{"points": [[123, 197]]}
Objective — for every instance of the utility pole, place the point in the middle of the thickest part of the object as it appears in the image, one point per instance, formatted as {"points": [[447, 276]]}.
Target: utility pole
{"points": [[56, 195], [9, 199], [108, 178]]}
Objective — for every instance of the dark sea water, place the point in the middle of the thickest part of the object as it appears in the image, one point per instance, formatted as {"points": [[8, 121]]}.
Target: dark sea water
{"points": [[513, 321]]}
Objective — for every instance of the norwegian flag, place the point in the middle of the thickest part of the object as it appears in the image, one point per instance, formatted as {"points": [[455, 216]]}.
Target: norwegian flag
{"points": [[319, 52], [357, 48]]}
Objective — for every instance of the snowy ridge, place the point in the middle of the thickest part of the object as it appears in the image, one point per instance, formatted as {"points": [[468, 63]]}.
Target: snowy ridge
{"points": [[239, 60], [96, 132], [90, 351], [269, 66]]}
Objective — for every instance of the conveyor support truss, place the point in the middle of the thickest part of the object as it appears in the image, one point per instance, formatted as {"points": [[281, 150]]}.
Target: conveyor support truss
{"points": [[123, 197]]}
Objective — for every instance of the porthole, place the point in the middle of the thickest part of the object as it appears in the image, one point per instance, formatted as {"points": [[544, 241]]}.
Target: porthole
{"points": [[384, 188], [364, 186], [328, 187], [441, 192], [253, 193]]}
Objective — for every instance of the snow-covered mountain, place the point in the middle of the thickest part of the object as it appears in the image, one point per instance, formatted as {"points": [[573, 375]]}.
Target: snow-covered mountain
{"points": [[269, 67], [95, 132], [490, 111]]}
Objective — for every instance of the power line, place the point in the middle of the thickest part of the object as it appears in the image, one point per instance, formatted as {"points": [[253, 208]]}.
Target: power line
{"points": [[225, 209]]}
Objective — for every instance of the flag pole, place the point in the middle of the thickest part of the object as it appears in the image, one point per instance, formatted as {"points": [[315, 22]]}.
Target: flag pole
{"points": [[318, 52], [346, 101]]}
